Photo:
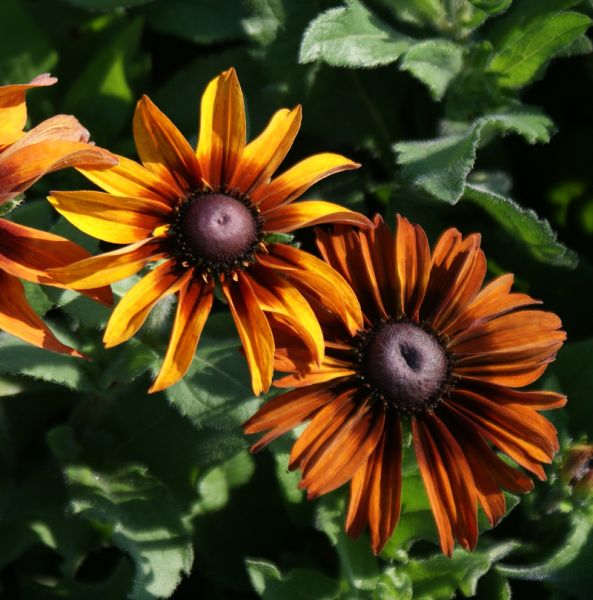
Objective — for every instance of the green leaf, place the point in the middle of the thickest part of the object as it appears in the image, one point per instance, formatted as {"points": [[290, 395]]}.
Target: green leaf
{"points": [[440, 167], [100, 5], [569, 567], [143, 521], [521, 60], [26, 51], [204, 22], [261, 574], [417, 12], [19, 358], [521, 223], [265, 20], [215, 485], [102, 94], [439, 577], [352, 36], [298, 584], [358, 566], [434, 62]]}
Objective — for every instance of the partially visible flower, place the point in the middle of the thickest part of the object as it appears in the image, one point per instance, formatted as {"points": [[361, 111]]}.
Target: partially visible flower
{"points": [[54, 144], [213, 217], [27, 253], [577, 470], [438, 352]]}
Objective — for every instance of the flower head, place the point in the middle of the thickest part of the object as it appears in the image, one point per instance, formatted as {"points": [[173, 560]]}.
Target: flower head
{"points": [[210, 216], [27, 253], [437, 351]]}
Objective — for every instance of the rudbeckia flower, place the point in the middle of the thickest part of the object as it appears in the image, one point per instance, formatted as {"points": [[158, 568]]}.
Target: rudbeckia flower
{"points": [[210, 217], [437, 352], [27, 253]]}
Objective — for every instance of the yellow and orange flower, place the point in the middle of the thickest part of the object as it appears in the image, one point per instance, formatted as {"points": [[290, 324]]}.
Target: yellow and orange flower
{"points": [[27, 253], [437, 351], [209, 216]]}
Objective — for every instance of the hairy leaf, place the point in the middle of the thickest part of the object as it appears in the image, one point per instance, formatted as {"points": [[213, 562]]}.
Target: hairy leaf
{"points": [[352, 36]]}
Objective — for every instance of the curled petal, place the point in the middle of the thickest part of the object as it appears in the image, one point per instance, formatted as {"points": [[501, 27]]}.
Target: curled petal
{"points": [[13, 110]]}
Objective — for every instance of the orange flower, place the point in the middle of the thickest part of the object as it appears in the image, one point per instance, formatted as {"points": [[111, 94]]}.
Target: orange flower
{"points": [[26, 253], [436, 351], [210, 216]]}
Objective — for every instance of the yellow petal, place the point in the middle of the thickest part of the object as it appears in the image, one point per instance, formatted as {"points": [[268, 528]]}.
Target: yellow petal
{"points": [[13, 110], [130, 179], [163, 149], [131, 312], [299, 178], [222, 128], [254, 331], [114, 219], [264, 154], [293, 216], [195, 302], [107, 268]]}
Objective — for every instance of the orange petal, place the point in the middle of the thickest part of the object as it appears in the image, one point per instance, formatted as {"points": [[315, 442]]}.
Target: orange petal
{"points": [[222, 129], [343, 453], [29, 253], [437, 484], [195, 303], [263, 155], [133, 309], [254, 331], [163, 149], [20, 320], [130, 179], [385, 500], [114, 219], [413, 266], [537, 400], [52, 145], [524, 435], [276, 295], [285, 412], [456, 274], [298, 179], [284, 219], [354, 254], [493, 301], [13, 110], [316, 278], [109, 267]]}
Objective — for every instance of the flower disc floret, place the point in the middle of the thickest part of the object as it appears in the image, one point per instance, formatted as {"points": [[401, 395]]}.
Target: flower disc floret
{"points": [[218, 232], [405, 365]]}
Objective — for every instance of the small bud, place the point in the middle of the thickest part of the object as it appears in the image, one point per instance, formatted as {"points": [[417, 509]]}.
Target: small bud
{"points": [[577, 470]]}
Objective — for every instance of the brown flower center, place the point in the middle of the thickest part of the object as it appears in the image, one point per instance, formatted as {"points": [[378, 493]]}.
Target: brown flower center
{"points": [[218, 226], [216, 231], [406, 365]]}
